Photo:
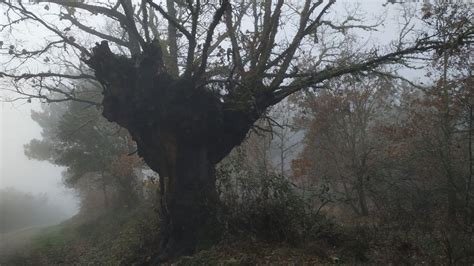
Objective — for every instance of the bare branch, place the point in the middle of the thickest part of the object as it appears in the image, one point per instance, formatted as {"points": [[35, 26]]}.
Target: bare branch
{"points": [[145, 21], [235, 46], [303, 30], [368, 65], [27, 76], [170, 19], [94, 9], [217, 17], [133, 33], [92, 31], [192, 42]]}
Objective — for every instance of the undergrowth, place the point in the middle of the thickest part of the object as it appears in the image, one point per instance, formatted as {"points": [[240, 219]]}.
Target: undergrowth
{"points": [[260, 221], [117, 237]]}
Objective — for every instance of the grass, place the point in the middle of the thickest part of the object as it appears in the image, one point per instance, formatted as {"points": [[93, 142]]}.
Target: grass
{"points": [[119, 237]]}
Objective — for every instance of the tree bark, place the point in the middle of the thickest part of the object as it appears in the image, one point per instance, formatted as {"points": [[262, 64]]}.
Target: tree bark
{"points": [[182, 131], [188, 200]]}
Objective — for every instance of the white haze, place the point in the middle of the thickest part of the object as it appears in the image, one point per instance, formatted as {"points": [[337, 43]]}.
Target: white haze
{"points": [[30, 176]]}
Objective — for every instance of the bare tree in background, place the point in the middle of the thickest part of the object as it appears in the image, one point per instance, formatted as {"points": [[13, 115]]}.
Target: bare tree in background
{"points": [[188, 79], [342, 145]]}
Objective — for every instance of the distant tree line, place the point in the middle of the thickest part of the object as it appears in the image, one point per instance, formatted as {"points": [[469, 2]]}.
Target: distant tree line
{"points": [[20, 210]]}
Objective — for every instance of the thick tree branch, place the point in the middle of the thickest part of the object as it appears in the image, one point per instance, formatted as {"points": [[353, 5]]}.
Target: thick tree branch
{"points": [[233, 39], [216, 19], [271, 23], [145, 23], [368, 65], [133, 34], [192, 42]]}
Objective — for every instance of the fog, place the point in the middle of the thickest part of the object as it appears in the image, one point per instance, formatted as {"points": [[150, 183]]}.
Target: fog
{"points": [[22, 174], [36, 177], [17, 129], [332, 143]]}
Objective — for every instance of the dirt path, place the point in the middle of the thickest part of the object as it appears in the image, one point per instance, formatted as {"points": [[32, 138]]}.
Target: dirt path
{"points": [[13, 241]]}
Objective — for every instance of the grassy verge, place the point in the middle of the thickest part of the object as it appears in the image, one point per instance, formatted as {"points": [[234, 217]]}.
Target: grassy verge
{"points": [[129, 237], [119, 237]]}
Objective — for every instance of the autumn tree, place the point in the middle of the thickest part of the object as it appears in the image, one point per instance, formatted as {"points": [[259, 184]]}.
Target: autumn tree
{"points": [[342, 144], [188, 79], [434, 130], [451, 98], [433, 139]]}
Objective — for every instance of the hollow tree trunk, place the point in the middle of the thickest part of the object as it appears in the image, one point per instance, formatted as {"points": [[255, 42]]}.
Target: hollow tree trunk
{"points": [[188, 199], [182, 130]]}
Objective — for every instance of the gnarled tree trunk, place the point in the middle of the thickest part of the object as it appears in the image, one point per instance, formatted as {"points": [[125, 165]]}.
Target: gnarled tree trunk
{"points": [[182, 130], [188, 200]]}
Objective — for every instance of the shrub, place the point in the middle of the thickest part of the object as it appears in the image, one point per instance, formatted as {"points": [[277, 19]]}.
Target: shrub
{"points": [[262, 204]]}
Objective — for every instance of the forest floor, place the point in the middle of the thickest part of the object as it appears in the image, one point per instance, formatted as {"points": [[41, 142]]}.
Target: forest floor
{"points": [[128, 237]]}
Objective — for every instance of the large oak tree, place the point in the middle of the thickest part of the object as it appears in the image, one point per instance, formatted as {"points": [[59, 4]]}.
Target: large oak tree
{"points": [[189, 78]]}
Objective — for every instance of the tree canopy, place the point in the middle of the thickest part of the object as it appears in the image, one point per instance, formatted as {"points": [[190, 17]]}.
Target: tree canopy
{"points": [[188, 79]]}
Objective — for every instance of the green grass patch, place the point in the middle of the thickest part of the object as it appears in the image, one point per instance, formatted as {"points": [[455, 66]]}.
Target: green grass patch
{"points": [[117, 237]]}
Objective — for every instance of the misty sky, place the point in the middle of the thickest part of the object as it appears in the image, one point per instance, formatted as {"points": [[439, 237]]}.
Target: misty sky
{"points": [[16, 170]]}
